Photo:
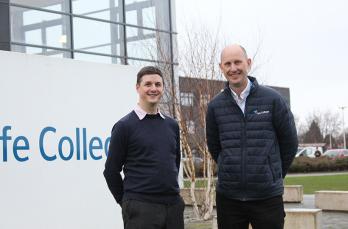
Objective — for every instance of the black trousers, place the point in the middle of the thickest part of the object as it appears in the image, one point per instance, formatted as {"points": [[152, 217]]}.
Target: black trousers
{"points": [[144, 215], [261, 214]]}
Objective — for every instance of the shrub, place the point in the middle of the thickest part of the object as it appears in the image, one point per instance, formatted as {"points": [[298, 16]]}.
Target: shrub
{"points": [[320, 164]]}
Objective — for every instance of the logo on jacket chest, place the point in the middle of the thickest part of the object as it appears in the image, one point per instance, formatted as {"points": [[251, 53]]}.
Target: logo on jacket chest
{"points": [[259, 112]]}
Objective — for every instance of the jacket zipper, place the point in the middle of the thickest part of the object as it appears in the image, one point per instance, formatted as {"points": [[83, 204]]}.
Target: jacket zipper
{"points": [[244, 139], [244, 160], [244, 152]]}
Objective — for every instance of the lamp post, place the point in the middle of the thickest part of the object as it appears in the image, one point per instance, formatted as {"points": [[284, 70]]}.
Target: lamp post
{"points": [[344, 133]]}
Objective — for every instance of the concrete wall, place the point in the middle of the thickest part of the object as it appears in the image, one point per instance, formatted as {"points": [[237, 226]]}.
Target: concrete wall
{"points": [[300, 218], [332, 200], [292, 193]]}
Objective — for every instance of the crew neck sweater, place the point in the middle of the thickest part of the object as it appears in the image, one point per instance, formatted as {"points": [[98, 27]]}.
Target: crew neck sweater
{"points": [[148, 152]]}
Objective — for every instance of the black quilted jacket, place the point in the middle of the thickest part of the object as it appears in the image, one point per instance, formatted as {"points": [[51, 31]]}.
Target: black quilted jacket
{"points": [[253, 151]]}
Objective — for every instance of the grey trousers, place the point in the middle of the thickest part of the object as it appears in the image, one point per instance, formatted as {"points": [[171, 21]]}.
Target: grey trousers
{"points": [[144, 215]]}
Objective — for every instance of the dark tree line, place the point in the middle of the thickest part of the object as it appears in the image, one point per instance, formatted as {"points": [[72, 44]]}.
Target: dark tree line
{"points": [[322, 127]]}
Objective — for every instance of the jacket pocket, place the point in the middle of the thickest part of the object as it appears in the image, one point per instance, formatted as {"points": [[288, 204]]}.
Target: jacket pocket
{"points": [[271, 168]]}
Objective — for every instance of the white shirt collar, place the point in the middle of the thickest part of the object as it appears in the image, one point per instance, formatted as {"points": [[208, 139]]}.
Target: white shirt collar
{"points": [[244, 93], [141, 113], [241, 100]]}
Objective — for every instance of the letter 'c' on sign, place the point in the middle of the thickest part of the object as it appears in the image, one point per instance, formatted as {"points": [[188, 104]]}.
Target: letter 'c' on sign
{"points": [[41, 145]]}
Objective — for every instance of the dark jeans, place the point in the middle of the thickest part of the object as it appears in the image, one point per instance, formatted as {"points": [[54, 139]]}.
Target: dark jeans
{"points": [[144, 215], [261, 214]]}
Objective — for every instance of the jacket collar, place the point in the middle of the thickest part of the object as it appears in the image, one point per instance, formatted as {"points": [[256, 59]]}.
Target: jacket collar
{"points": [[254, 86]]}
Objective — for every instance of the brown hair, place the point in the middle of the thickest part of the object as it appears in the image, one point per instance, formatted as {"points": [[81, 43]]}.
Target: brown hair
{"points": [[148, 70]]}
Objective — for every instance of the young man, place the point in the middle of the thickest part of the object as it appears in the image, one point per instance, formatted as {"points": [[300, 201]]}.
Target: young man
{"points": [[145, 144], [252, 136]]}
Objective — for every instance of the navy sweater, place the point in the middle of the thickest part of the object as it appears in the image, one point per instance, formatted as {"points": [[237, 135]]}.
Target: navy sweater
{"points": [[148, 152]]}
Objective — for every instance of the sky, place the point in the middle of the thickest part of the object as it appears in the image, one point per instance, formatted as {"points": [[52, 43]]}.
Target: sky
{"points": [[303, 44]]}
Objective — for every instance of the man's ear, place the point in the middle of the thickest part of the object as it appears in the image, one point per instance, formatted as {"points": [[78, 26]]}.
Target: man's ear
{"points": [[250, 62]]}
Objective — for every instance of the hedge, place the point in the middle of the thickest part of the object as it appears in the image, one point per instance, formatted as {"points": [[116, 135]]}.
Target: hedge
{"points": [[302, 165], [320, 164]]}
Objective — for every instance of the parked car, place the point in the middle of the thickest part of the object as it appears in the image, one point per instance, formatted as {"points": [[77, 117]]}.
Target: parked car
{"points": [[310, 151], [336, 153]]}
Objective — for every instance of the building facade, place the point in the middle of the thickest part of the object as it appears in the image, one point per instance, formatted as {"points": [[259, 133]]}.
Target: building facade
{"points": [[135, 32], [128, 32]]}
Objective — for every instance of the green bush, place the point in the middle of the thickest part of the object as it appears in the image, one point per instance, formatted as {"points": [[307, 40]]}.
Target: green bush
{"points": [[321, 164]]}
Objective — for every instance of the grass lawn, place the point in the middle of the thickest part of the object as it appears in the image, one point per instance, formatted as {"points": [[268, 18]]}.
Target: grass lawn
{"points": [[199, 183], [310, 183], [316, 183], [199, 225]]}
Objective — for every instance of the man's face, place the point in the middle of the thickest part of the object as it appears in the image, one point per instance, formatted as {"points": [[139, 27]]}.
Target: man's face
{"points": [[235, 66], [150, 89]]}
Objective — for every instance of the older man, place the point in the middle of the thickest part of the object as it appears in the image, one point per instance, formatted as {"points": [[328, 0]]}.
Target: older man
{"points": [[252, 136]]}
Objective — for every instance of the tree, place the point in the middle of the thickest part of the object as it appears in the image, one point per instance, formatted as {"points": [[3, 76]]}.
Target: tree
{"points": [[199, 62], [313, 135], [328, 123]]}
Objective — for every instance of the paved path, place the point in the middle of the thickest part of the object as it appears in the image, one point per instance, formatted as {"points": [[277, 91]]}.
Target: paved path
{"points": [[329, 220]]}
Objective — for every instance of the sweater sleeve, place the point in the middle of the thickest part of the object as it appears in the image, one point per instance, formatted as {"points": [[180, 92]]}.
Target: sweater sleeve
{"points": [[212, 133], [286, 133], [115, 161]]}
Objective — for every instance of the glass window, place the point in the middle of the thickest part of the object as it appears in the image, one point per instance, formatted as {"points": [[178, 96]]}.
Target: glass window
{"points": [[128, 2], [148, 17], [41, 51], [39, 28], [145, 49], [35, 17], [54, 32], [204, 99], [138, 63], [56, 5], [96, 58], [186, 98], [131, 17], [148, 44], [98, 37], [175, 48], [103, 9], [190, 125], [33, 37], [148, 13]]}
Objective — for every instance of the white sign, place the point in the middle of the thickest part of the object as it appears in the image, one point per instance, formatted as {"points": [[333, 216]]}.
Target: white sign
{"points": [[55, 121]]}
